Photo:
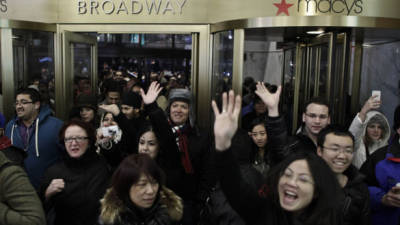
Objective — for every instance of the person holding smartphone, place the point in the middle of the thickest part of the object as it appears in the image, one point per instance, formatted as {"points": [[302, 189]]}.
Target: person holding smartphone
{"points": [[382, 169], [108, 137], [370, 129]]}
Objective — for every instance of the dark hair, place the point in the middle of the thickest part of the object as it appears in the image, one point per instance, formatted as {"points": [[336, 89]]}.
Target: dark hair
{"points": [[317, 101], [146, 127], [90, 131], [33, 94], [257, 121], [130, 170], [112, 86], [137, 84], [324, 208], [335, 129]]}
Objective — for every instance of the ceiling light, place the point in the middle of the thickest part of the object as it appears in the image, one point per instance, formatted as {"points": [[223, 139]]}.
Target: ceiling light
{"points": [[319, 31]]}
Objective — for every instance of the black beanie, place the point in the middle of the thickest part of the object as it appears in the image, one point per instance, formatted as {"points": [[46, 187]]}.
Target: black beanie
{"points": [[87, 100], [132, 99]]}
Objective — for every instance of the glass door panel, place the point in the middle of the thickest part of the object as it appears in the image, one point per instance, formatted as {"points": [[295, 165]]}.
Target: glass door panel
{"points": [[288, 91], [222, 64], [340, 79], [313, 73], [79, 69], [33, 63]]}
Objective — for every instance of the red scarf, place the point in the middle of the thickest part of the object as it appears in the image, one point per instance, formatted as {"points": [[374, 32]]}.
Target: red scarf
{"points": [[181, 140]]}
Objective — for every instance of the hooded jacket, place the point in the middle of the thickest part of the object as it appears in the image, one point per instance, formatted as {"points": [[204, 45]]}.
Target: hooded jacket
{"points": [[383, 172], [19, 203], [43, 147], [358, 129], [167, 209]]}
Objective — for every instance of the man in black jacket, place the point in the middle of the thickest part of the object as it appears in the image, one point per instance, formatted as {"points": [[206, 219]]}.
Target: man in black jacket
{"points": [[315, 117], [336, 147]]}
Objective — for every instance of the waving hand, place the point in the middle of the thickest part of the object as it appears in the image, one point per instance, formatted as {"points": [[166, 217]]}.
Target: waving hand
{"points": [[271, 100], [152, 93], [226, 121]]}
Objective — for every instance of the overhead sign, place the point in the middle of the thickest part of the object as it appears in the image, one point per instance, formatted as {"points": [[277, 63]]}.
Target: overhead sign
{"points": [[3, 6], [130, 7], [307, 7]]}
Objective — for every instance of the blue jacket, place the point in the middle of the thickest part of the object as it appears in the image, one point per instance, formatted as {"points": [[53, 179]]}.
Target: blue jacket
{"points": [[382, 169], [43, 149]]}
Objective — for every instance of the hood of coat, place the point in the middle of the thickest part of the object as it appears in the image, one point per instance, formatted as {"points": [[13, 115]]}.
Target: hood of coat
{"points": [[383, 121], [112, 207]]}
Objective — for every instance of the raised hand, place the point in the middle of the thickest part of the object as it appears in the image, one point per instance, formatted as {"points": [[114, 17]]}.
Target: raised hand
{"points": [[271, 100], [226, 121], [371, 103], [113, 108], [152, 93]]}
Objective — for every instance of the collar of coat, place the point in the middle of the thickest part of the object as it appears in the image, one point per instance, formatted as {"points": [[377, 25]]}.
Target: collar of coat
{"points": [[112, 207]]}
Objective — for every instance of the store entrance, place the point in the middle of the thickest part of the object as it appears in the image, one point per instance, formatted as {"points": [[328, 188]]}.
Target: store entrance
{"points": [[306, 65], [64, 60], [132, 59]]}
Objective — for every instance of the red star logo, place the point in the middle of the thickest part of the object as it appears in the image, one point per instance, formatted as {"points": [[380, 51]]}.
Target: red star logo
{"points": [[283, 7]]}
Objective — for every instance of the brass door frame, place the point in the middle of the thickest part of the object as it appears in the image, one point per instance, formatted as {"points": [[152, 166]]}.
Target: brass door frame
{"points": [[7, 59], [339, 102], [65, 82], [201, 81], [303, 72]]}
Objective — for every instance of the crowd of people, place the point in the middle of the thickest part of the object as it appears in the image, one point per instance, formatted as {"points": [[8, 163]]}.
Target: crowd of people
{"points": [[132, 153]]}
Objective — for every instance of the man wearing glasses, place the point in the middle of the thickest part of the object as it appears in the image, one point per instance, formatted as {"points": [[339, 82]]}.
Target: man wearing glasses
{"points": [[336, 148], [34, 130], [315, 118]]}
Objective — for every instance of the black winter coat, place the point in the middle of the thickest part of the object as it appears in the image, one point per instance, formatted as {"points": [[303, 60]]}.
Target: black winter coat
{"points": [[167, 210], [198, 185], [281, 144], [356, 206], [356, 203], [254, 207], [86, 180]]}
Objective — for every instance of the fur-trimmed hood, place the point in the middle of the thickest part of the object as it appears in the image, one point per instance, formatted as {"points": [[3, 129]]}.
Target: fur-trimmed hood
{"points": [[112, 206]]}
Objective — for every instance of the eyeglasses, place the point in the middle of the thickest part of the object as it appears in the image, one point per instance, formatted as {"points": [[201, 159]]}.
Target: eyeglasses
{"points": [[314, 116], [77, 139], [337, 150], [289, 174], [22, 103]]}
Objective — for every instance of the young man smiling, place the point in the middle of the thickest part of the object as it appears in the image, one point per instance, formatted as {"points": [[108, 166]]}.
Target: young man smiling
{"points": [[35, 131], [336, 148]]}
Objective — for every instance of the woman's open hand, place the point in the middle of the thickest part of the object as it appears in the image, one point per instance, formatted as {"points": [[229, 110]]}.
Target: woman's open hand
{"points": [[226, 121]]}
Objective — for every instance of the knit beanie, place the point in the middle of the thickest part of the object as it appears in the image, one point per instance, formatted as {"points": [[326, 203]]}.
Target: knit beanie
{"points": [[396, 120], [87, 100], [132, 99]]}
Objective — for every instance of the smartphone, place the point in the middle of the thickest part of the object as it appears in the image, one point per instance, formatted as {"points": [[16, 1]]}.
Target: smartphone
{"points": [[376, 93], [109, 131]]}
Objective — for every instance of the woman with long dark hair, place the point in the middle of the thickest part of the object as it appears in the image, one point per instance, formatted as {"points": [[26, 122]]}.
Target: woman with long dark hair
{"points": [[259, 155], [299, 190]]}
